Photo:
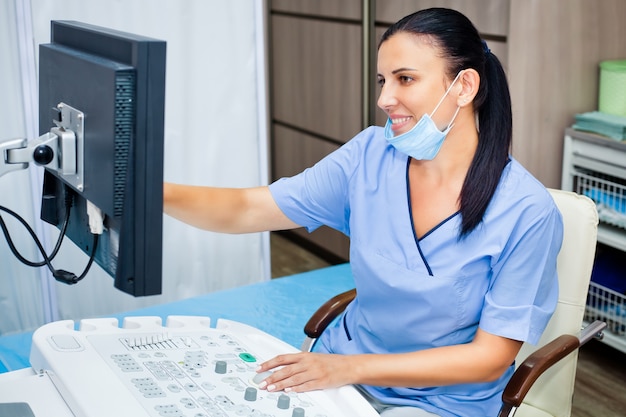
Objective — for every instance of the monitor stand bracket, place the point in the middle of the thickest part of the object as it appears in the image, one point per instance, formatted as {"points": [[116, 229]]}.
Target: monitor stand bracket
{"points": [[60, 149]]}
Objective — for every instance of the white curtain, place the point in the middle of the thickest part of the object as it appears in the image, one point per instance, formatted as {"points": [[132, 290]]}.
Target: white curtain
{"points": [[215, 134]]}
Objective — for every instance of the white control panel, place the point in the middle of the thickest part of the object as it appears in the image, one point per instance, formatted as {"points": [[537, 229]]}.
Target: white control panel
{"points": [[183, 369]]}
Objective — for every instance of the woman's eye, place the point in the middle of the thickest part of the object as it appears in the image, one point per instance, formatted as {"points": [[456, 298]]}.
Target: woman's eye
{"points": [[405, 79], [380, 81]]}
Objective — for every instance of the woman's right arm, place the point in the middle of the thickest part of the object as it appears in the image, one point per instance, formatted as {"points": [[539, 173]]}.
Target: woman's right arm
{"points": [[226, 210]]}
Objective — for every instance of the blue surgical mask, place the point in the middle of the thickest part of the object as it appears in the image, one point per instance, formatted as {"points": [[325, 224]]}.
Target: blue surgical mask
{"points": [[424, 140]]}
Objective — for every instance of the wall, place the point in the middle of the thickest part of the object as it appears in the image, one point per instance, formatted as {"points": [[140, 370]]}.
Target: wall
{"points": [[554, 51]]}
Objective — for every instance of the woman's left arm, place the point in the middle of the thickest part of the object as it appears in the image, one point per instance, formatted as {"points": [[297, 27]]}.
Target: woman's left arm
{"points": [[484, 359]]}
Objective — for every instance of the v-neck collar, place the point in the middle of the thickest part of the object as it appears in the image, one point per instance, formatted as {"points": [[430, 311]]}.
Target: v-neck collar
{"points": [[412, 223]]}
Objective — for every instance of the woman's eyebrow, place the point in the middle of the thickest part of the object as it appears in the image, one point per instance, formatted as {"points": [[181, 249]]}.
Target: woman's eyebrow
{"points": [[402, 70]]}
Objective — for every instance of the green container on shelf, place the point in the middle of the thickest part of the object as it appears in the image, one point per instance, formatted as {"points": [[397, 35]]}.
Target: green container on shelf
{"points": [[612, 95]]}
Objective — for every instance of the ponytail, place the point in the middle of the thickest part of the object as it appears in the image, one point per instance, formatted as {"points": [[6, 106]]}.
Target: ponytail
{"points": [[495, 131]]}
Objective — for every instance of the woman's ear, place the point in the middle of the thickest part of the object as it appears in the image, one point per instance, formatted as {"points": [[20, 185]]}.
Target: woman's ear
{"points": [[469, 82]]}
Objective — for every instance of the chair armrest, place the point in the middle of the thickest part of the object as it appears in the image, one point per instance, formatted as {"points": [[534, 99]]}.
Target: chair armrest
{"points": [[542, 359], [535, 365], [327, 313]]}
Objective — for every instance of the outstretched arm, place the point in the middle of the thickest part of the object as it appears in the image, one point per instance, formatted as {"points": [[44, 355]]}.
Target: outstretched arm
{"points": [[227, 210]]}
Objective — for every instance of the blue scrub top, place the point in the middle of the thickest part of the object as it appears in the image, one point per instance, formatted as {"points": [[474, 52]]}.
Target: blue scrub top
{"points": [[437, 290]]}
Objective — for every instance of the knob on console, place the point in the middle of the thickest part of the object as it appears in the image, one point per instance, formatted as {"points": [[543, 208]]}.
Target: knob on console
{"points": [[283, 402], [220, 367]]}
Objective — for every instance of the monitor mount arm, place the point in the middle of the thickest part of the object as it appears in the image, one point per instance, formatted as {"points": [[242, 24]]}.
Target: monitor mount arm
{"points": [[60, 149]]}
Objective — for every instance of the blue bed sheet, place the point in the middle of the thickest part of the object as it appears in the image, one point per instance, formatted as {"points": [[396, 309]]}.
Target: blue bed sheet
{"points": [[280, 307]]}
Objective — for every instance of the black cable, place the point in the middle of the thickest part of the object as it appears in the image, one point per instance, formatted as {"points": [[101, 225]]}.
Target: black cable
{"points": [[57, 246], [59, 274], [70, 278], [94, 246], [69, 202], [25, 261]]}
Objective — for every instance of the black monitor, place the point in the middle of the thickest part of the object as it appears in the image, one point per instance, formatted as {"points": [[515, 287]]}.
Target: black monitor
{"points": [[108, 86]]}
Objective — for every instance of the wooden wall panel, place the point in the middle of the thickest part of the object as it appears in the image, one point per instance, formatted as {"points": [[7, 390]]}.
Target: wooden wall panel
{"points": [[489, 16], [344, 9], [554, 51], [294, 151], [316, 76]]}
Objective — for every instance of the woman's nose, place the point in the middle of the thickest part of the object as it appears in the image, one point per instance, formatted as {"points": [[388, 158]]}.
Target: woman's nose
{"points": [[386, 99]]}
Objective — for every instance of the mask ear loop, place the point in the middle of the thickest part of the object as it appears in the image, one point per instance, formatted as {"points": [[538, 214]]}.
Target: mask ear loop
{"points": [[441, 101], [453, 117]]}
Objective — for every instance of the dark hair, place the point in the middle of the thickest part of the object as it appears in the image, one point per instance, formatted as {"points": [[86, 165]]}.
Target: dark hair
{"points": [[462, 47]]}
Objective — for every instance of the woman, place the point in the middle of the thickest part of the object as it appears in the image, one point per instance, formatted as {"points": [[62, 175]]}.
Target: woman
{"points": [[453, 242]]}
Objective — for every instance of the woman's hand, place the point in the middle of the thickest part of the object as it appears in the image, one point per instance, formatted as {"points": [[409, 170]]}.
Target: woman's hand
{"points": [[306, 371], [485, 359]]}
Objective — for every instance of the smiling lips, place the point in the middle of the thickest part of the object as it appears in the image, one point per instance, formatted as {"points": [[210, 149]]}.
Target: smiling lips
{"points": [[398, 123]]}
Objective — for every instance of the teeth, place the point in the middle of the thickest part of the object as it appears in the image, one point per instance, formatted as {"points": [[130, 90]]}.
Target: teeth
{"points": [[400, 120]]}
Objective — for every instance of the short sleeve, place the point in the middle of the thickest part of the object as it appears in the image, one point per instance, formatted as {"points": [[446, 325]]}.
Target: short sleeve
{"points": [[524, 286], [320, 195]]}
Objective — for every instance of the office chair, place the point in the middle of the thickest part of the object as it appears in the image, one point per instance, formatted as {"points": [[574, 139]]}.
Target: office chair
{"points": [[543, 383]]}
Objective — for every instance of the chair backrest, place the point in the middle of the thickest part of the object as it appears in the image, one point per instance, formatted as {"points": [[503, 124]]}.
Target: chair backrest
{"points": [[551, 395]]}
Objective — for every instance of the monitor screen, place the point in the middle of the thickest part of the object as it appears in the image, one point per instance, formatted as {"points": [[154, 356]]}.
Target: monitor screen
{"points": [[109, 87]]}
